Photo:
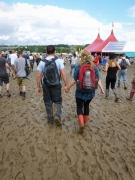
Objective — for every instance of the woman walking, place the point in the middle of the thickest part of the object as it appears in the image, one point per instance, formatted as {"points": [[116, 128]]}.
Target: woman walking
{"points": [[83, 99], [111, 68]]}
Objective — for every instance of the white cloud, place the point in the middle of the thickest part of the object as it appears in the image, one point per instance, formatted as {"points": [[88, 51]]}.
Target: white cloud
{"points": [[4, 37], [24, 23], [131, 12]]}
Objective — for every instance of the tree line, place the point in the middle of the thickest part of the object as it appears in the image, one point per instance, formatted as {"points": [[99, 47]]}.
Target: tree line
{"points": [[60, 48]]}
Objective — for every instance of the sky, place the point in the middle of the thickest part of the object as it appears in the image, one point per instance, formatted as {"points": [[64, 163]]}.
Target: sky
{"points": [[69, 22]]}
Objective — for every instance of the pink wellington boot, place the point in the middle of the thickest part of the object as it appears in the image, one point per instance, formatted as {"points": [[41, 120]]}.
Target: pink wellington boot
{"points": [[130, 98], [81, 123], [86, 118]]}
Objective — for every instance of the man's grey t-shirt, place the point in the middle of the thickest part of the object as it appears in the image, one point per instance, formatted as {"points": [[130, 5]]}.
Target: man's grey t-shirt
{"points": [[3, 70], [20, 66]]}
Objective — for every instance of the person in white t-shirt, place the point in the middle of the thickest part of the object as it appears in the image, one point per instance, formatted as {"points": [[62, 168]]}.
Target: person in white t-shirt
{"points": [[13, 57], [74, 61], [31, 60]]}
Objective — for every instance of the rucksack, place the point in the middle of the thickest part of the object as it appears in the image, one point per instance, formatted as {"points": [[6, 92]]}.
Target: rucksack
{"points": [[51, 75], [87, 81], [27, 69], [123, 64]]}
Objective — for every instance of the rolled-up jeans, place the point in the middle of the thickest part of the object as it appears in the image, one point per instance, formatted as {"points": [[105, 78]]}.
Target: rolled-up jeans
{"points": [[52, 94], [123, 73]]}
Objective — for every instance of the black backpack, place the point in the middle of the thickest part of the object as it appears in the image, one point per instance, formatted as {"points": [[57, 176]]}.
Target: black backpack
{"points": [[123, 64], [51, 75], [27, 69]]}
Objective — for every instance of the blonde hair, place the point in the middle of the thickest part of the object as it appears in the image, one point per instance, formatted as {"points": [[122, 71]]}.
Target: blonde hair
{"points": [[110, 61], [86, 57]]}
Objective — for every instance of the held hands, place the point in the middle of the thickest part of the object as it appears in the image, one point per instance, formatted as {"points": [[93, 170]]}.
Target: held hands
{"points": [[66, 89]]}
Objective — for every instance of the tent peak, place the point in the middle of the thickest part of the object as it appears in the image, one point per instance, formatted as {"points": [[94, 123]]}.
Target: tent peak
{"points": [[98, 34], [112, 31]]}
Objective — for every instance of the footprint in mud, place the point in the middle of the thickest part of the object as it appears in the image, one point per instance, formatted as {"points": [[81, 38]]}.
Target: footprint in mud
{"points": [[53, 157], [20, 176], [32, 150]]}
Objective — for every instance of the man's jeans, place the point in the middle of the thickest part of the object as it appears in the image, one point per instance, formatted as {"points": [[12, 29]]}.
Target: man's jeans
{"points": [[52, 95], [123, 73]]}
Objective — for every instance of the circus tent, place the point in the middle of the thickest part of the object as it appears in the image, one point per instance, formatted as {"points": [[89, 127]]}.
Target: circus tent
{"points": [[98, 46], [94, 44]]}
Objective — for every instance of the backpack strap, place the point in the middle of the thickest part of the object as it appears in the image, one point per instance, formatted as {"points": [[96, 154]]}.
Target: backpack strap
{"points": [[53, 59], [44, 60]]}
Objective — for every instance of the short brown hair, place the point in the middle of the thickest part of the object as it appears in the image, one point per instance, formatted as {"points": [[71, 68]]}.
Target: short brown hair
{"points": [[50, 49], [19, 52]]}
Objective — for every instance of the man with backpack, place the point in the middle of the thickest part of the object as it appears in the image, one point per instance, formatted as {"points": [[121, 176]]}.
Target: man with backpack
{"points": [[123, 62], [51, 68], [20, 72]]}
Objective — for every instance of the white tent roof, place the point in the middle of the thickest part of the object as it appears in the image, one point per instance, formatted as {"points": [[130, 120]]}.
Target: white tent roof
{"points": [[120, 47], [129, 46]]}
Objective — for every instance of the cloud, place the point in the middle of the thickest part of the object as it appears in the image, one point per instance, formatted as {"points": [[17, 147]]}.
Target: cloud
{"points": [[4, 37], [28, 24], [131, 12]]}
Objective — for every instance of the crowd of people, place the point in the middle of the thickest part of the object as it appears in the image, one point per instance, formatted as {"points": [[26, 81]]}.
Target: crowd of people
{"points": [[14, 64]]}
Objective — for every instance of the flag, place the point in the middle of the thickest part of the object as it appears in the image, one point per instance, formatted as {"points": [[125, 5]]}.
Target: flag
{"points": [[98, 29], [112, 24]]}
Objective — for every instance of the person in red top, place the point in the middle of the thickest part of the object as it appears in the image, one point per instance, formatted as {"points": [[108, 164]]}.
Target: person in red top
{"points": [[96, 60]]}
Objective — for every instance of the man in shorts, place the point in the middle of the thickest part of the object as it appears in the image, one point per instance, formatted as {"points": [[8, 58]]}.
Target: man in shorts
{"points": [[4, 75], [19, 69]]}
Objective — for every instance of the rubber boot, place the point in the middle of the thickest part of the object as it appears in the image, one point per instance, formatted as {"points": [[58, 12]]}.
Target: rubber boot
{"points": [[125, 85], [23, 95], [8, 93], [107, 93], [118, 85], [116, 97], [130, 98], [81, 123], [85, 117]]}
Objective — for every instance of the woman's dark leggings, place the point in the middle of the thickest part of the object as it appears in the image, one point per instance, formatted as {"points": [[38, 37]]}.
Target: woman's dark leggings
{"points": [[82, 106], [110, 80]]}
